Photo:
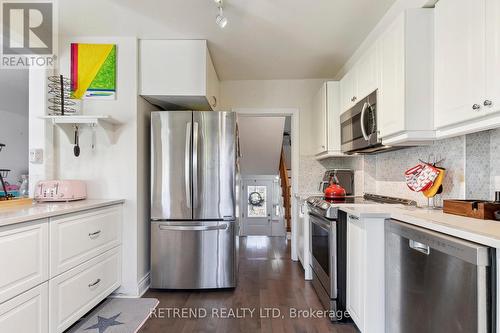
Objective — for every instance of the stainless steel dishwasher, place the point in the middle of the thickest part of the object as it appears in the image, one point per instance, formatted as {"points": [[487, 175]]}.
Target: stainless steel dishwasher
{"points": [[435, 283]]}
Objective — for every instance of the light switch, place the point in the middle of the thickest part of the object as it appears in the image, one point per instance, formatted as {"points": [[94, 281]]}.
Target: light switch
{"points": [[36, 156]]}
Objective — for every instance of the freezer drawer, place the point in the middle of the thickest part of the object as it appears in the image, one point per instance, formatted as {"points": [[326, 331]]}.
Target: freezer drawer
{"points": [[436, 283], [193, 255]]}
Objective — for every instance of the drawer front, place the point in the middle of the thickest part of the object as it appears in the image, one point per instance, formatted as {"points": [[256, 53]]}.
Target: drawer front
{"points": [[24, 258], [26, 313], [75, 292], [79, 237]]}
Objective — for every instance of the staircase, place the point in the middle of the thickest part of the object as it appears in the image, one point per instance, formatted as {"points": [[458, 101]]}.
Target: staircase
{"points": [[286, 191]]}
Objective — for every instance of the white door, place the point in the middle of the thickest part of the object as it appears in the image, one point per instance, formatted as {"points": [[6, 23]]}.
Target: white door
{"points": [[367, 73], [391, 117], [319, 120], [460, 61], [348, 90], [256, 207], [492, 98], [356, 254]]}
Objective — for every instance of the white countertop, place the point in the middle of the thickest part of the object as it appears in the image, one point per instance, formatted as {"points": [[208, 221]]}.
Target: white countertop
{"points": [[37, 211], [486, 232]]}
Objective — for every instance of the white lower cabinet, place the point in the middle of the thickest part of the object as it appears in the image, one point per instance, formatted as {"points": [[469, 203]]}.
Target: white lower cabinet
{"points": [[26, 313], [25, 258], [365, 273], [85, 267], [75, 238], [75, 292]]}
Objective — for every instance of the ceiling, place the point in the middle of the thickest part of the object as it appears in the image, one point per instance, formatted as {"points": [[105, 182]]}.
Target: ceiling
{"points": [[261, 139], [264, 39]]}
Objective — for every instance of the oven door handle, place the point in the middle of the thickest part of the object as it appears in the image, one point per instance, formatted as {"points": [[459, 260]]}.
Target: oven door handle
{"points": [[362, 120]]}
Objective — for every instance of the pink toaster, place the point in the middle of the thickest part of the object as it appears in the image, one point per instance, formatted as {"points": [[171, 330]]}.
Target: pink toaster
{"points": [[60, 190]]}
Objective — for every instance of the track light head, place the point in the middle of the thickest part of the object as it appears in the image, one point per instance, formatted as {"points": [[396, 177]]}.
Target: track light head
{"points": [[221, 20]]}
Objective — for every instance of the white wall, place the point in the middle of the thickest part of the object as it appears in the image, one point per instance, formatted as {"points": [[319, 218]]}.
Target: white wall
{"points": [[14, 94], [261, 139], [297, 94], [294, 94], [114, 170]]}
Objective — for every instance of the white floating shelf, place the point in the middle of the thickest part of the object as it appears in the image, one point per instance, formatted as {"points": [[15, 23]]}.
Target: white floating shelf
{"points": [[106, 122], [81, 119]]}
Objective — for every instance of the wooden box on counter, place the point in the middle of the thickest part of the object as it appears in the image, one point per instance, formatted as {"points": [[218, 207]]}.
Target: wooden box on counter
{"points": [[478, 209]]}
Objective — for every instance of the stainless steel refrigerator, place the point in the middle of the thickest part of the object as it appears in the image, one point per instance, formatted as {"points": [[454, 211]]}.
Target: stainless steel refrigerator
{"points": [[193, 199]]}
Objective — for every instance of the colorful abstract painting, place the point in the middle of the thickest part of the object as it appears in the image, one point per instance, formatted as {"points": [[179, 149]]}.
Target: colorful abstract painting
{"points": [[93, 71]]}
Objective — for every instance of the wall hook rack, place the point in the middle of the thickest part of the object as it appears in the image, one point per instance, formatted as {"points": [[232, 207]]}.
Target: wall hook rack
{"points": [[67, 123]]}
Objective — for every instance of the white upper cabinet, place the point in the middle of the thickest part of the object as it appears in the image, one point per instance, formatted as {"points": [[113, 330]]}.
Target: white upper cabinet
{"points": [[319, 121], [348, 90], [366, 73], [460, 66], [492, 56], [178, 74], [405, 95], [326, 121], [467, 66], [360, 81]]}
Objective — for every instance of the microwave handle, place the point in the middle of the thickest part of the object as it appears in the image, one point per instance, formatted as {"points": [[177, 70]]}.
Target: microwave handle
{"points": [[363, 130]]}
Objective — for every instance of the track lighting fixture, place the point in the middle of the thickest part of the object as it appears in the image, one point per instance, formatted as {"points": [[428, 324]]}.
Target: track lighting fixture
{"points": [[221, 20]]}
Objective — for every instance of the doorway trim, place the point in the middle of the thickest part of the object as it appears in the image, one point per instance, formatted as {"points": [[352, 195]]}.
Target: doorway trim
{"points": [[283, 112]]}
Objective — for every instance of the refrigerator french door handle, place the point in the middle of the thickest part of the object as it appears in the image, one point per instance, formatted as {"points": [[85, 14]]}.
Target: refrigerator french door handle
{"points": [[195, 164], [187, 162], [192, 228]]}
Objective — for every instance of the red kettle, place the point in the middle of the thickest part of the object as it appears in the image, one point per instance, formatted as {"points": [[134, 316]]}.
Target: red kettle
{"points": [[334, 191]]}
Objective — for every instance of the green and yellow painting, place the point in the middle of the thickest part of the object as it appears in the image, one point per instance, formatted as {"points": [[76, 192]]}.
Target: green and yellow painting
{"points": [[93, 71]]}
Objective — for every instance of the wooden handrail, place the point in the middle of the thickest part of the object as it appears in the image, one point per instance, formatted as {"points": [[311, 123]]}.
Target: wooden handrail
{"points": [[285, 190]]}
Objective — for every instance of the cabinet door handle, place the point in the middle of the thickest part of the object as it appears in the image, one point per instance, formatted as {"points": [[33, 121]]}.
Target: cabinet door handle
{"points": [[476, 107], [353, 99], [94, 235], [488, 103], [95, 283]]}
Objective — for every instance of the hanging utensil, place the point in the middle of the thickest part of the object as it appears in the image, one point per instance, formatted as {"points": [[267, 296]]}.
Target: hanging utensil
{"points": [[93, 144], [76, 148]]}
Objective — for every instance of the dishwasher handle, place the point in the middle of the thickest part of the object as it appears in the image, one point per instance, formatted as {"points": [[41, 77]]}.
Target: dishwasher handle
{"points": [[420, 247]]}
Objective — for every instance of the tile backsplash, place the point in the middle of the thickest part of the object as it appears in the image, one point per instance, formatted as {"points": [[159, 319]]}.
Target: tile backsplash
{"points": [[471, 163]]}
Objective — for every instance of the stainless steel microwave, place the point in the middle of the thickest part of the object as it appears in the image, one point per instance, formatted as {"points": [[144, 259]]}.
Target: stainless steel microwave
{"points": [[359, 127]]}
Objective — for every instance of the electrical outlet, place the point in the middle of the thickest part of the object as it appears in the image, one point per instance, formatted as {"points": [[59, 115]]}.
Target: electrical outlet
{"points": [[36, 156]]}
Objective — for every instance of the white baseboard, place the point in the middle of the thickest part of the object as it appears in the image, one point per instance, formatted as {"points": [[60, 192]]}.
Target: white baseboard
{"points": [[144, 284], [141, 289]]}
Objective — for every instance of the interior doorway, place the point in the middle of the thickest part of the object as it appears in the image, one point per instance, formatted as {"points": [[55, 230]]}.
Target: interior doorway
{"points": [[268, 157]]}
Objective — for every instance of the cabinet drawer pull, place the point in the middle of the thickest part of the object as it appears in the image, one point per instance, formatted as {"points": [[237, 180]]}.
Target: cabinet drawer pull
{"points": [[476, 107], [488, 103], [352, 217], [95, 283], [94, 235]]}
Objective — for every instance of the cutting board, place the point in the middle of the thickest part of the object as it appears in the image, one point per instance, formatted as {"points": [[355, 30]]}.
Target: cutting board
{"points": [[477, 209], [15, 203]]}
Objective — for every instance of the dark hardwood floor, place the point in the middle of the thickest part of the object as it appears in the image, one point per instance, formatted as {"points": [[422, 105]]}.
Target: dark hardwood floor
{"points": [[268, 278]]}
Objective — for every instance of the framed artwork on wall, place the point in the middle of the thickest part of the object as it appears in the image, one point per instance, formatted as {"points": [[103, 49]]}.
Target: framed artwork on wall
{"points": [[93, 71]]}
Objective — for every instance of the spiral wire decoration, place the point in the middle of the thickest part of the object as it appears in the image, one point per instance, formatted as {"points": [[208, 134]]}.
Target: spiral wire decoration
{"points": [[60, 92]]}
